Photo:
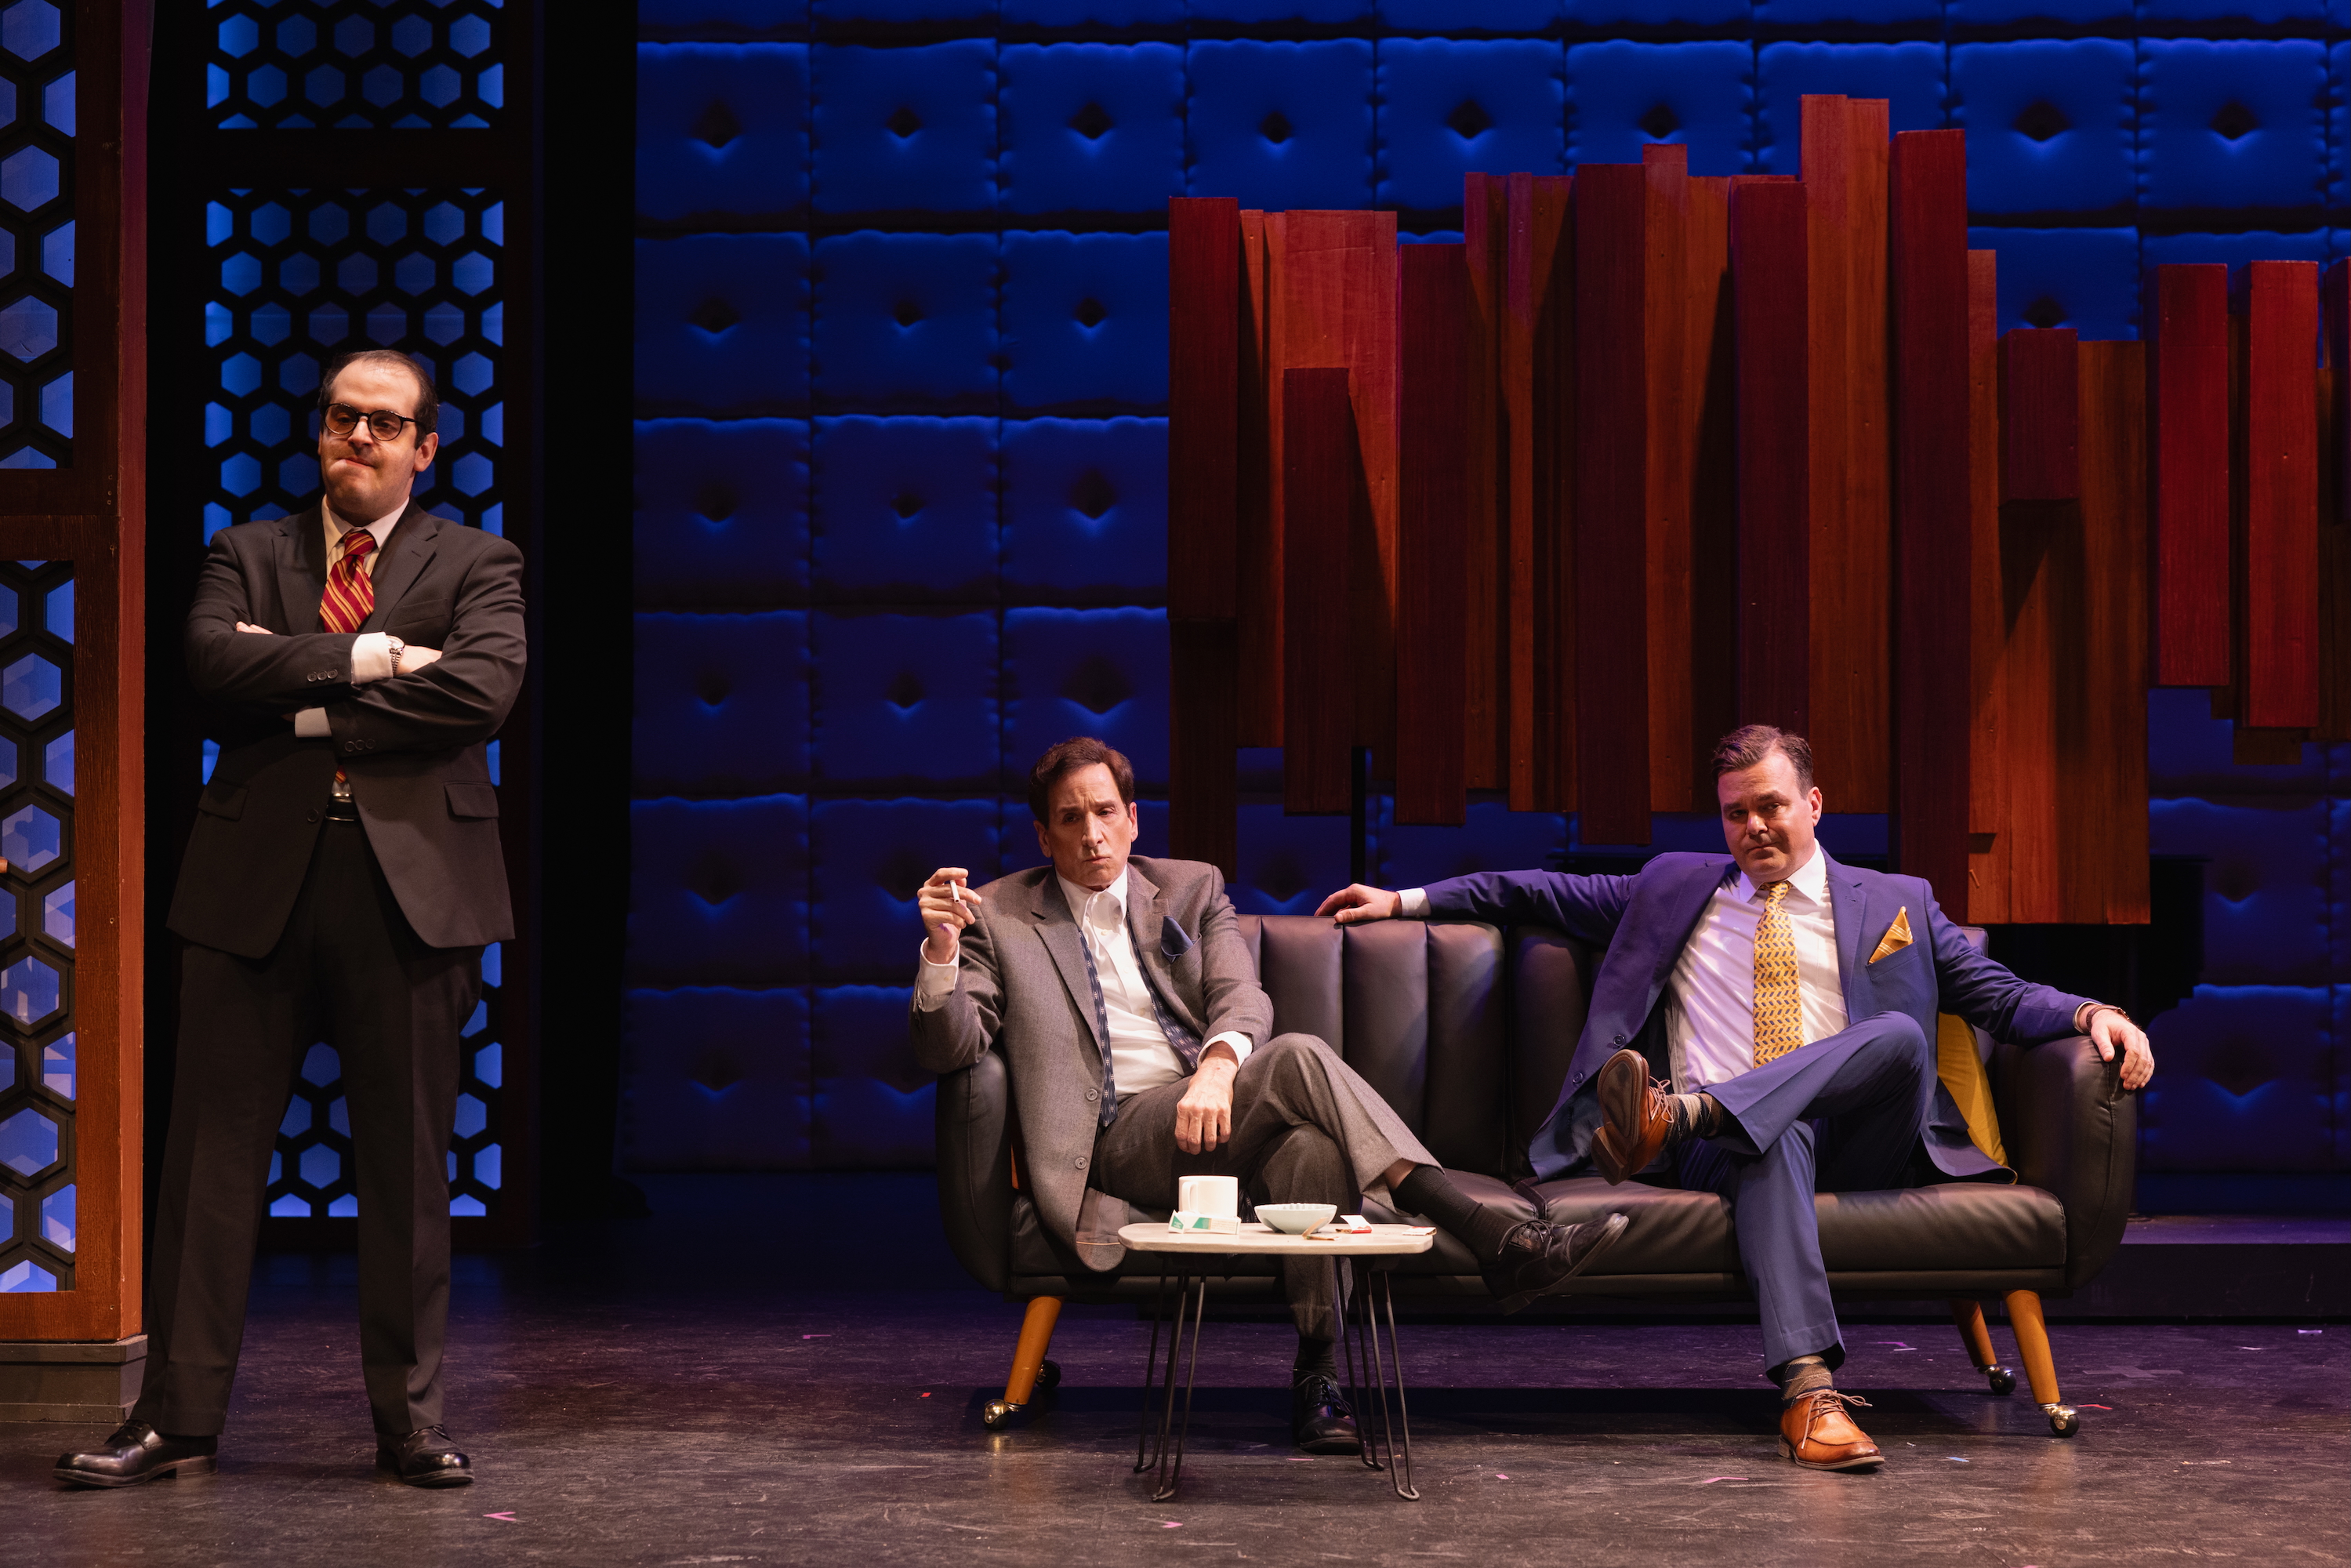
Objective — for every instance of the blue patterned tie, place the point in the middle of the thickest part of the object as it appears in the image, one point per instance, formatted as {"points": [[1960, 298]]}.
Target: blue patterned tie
{"points": [[1179, 1039], [1101, 1024]]}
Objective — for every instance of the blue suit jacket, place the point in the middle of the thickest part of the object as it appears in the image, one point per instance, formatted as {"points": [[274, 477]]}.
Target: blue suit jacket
{"points": [[1645, 920]]}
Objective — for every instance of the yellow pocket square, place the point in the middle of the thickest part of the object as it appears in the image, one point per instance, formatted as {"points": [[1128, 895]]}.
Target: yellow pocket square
{"points": [[1897, 938]]}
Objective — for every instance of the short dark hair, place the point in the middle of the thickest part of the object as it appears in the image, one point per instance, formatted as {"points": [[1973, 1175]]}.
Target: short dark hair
{"points": [[428, 404], [1082, 751], [1752, 742]]}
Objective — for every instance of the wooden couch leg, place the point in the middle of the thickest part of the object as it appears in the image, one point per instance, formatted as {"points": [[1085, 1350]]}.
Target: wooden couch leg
{"points": [[1029, 1366], [1967, 1316], [2040, 1367]]}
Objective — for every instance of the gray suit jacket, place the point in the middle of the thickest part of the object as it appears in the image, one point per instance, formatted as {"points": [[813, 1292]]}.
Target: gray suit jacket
{"points": [[1021, 988]]}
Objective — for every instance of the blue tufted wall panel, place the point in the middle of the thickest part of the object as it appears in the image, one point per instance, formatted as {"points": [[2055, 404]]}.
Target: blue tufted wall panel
{"points": [[1092, 128], [1085, 326], [900, 463]]}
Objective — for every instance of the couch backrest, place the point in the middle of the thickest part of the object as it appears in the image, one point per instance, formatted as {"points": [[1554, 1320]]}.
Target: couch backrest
{"points": [[1465, 1033], [1466, 1030]]}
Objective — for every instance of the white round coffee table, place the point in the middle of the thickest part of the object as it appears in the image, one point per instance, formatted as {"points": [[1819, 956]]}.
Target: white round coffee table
{"points": [[1187, 1253]]}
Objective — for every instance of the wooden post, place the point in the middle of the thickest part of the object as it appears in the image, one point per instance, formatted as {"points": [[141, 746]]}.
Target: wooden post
{"points": [[91, 512], [2277, 549], [1612, 494], [1323, 503], [2187, 333], [1928, 262], [1205, 335], [1775, 609], [1431, 732]]}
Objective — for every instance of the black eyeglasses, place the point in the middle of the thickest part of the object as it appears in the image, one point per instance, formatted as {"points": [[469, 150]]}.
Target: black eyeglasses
{"points": [[341, 419]]}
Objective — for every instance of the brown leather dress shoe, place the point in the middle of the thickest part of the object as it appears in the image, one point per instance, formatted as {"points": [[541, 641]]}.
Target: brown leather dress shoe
{"points": [[1816, 1433], [1639, 1123]]}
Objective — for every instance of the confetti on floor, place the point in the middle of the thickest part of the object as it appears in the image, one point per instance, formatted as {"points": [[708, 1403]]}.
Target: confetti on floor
{"points": [[1711, 1479]]}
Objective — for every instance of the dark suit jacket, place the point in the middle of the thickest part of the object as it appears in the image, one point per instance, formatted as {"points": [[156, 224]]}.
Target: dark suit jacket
{"points": [[1021, 982], [1645, 920], [412, 746]]}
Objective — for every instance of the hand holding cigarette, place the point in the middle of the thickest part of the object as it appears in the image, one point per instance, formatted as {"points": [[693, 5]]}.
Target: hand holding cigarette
{"points": [[948, 905]]}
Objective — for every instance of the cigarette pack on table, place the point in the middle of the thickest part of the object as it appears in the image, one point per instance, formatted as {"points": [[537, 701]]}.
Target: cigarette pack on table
{"points": [[1213, 1224]]}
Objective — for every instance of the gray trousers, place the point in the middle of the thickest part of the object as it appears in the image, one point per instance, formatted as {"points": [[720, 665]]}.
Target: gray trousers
{"points": [[1306, 1129]]}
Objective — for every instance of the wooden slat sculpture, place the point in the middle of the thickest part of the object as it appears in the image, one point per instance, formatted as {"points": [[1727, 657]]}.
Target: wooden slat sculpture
{"points": [[1649, 454]]}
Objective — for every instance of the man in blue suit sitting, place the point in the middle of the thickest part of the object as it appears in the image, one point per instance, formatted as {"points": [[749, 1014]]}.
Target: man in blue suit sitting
{"points": [[1792, 1001]]}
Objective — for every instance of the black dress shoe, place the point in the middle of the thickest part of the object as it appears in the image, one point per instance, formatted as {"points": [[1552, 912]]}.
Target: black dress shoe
{"points": [[1321, 1419], [425, 1458], [137, 1452], [1538, 1257]]}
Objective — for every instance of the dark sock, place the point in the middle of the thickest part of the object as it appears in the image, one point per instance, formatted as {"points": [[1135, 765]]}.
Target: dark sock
{"points": [[1428, 1191], [1806, 1372], [1314, 1355]]}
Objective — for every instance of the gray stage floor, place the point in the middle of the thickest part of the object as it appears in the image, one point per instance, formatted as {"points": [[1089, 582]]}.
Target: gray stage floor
{"points": [[626, 1404]]}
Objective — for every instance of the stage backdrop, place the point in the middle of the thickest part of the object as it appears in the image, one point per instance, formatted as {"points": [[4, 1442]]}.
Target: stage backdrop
{"points": [[901, 367]]}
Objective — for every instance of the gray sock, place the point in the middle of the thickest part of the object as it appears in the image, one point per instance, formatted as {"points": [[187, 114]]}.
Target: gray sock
{"points": [[1695, 1115], [1805, 1373]]}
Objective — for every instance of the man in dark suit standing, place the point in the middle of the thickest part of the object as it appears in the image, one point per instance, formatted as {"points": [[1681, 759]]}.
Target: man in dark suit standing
{"points": [[1789, 1005], [341, 881]]}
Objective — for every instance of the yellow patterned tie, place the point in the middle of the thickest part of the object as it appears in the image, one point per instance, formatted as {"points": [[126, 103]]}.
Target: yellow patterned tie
{"points": [[1778, 1013]]}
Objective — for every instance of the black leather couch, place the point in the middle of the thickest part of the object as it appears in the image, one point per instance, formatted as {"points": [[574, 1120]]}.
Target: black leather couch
{"points": [[1466, 1031]]}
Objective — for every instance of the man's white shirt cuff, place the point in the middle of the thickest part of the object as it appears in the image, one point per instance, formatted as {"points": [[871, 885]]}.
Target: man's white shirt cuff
{"points": [[370, 657], [1412, 903], [1240, 1042], [310, 724], [935, 982]]}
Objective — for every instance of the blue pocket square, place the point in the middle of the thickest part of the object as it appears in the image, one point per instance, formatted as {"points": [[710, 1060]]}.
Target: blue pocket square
{"points": [[1173, 942]]}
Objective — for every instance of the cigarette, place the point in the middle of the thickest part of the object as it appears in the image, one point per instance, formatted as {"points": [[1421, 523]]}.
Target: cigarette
{"points": [[956, 890]]}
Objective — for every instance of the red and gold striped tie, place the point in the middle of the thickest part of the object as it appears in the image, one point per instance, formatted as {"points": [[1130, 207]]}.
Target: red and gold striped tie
{"points": [[349, 601], [350, 591]]}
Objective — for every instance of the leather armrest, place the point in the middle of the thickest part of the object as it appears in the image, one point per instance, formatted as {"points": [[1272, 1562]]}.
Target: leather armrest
{"points": [[2072, 1128], [975, 1153]]}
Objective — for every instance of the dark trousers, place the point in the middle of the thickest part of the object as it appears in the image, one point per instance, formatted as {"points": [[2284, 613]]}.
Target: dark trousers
{"points": [[1841, 1115], [350, 972], [1306, 1129]]}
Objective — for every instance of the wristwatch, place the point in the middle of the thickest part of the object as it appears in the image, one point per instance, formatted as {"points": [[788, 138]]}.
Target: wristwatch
{"points": [[397, 648]]}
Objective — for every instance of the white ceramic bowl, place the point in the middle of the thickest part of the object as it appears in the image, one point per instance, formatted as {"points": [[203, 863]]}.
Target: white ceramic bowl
{"points": [[1296, 1218]]}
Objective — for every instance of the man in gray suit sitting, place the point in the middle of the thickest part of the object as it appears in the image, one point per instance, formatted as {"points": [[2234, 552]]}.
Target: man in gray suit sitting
{"points": [[1130, 1014]]}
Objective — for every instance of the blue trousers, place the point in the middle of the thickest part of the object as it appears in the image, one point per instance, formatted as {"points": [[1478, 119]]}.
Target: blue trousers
{"points": [[1841, 1115]]}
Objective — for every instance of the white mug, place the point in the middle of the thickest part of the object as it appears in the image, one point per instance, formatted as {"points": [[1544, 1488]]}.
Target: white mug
{"points": [[1217, 1195]]}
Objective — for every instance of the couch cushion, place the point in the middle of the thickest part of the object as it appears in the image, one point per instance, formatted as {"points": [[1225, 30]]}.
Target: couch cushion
{"points": [[1673, 1232], [1417, 1009], [1952, 1224]]}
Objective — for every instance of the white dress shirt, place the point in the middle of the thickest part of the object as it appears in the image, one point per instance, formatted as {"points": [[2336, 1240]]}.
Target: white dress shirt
{"points": [[1711, 996], [1140, 1056], [372, 651]]}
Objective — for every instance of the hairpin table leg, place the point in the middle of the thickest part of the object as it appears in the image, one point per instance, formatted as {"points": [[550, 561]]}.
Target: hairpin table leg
{"points": [[1399, 1452], [1171, 1475], [1348, 1302], [1150, 1373]]}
